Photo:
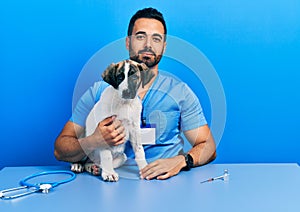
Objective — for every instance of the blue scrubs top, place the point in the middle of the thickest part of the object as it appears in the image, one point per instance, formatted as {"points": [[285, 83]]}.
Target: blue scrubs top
{"points": [[169, 105]]}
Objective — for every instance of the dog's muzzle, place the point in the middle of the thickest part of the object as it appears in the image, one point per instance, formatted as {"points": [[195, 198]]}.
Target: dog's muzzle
{"points": [[127, 94]]}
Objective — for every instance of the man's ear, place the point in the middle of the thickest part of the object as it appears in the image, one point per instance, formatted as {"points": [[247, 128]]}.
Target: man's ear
{"points": [[165, 46], [109, 75], [127, 42], [146, 74]]}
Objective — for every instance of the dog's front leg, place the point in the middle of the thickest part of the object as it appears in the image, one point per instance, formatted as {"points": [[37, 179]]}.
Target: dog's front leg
{"points": [[108, 172], [136, 143]]}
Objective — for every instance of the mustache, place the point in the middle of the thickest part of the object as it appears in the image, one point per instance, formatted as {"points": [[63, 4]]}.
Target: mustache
{"points": [[146, 50]]}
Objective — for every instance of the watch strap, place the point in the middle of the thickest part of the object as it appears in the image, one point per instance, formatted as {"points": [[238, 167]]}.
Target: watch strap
{"points": [[189, 162]]}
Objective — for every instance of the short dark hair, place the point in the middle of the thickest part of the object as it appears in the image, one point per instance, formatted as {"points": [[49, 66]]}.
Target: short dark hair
{"points": [[146, 13]]}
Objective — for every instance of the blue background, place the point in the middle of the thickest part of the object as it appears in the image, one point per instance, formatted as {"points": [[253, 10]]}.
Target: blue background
{"points": [[253, 45]]}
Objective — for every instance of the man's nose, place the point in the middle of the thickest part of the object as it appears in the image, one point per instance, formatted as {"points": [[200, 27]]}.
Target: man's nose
{"points": [[148, 42]]}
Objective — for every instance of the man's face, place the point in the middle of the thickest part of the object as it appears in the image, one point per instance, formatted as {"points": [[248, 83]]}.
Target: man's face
{"points": [[147, 43]]}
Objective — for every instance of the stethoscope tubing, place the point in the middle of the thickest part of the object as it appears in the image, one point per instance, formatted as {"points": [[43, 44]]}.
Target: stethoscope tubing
{"points": [[24, 182], [32, 188]]}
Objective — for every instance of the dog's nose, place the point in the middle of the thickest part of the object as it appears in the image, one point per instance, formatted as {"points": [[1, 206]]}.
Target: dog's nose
{"points": [[126, 94]]}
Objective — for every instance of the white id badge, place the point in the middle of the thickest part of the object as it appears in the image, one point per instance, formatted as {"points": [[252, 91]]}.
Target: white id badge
{"points": [[148, 135]]}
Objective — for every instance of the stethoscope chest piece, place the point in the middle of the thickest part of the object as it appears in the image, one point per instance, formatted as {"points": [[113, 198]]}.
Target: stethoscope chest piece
{"points": [[45, 188]]}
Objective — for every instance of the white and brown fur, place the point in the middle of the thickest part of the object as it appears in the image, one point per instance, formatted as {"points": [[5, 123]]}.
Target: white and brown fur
{"points": [[120, 100]]}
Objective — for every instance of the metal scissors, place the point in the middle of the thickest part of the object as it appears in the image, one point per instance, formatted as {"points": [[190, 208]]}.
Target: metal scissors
{"points": [[29, 188]]}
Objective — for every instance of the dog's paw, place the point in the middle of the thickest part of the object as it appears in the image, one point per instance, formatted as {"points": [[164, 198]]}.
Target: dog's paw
{"points": [[110, 176], [77, 167], [92, 168]]}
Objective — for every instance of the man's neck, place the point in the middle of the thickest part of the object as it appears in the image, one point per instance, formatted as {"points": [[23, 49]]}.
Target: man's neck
{"points": [[145, 89]]}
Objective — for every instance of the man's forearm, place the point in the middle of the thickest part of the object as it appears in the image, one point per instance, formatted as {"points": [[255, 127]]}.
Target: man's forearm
{"points": [[204, 147], [203, 152], [69, 149]]}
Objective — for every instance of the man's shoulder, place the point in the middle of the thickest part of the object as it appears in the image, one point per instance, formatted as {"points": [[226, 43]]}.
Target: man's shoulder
{"points": [[98, 89], [166, 77], [169, 81], [99, 85]]}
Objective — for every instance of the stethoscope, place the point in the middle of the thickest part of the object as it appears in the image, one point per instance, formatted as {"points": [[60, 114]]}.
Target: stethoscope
{"points": [[30, 188]]}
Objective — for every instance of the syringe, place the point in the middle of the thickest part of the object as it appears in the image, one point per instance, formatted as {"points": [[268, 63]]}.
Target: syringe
{"points": [[224, 177]]}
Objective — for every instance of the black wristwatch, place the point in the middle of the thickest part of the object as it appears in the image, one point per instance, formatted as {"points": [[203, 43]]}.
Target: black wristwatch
{"points": [[189, 162]]}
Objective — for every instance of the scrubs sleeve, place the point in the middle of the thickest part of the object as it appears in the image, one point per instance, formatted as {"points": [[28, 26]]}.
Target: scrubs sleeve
{"points": [[191, 111], [87, 102]]}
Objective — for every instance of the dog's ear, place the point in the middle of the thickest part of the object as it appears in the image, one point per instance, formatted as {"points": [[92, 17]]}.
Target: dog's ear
{"points": [[146, 74], [109, 75]]}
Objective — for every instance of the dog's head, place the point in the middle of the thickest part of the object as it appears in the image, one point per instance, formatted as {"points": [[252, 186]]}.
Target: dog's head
{"points": [[127, 76]]}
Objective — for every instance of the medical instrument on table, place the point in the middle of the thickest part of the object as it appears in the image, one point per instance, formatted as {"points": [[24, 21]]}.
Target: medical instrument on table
{"points": [[30, 188], [224, 177]]}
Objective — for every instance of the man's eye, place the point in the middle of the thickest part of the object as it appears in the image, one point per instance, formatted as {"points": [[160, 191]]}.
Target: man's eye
{"points": [[156, 39], [140, 37]]}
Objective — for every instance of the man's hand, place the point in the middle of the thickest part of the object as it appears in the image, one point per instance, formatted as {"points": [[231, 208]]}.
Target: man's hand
{"points": [[110, 131], [162, 169]]}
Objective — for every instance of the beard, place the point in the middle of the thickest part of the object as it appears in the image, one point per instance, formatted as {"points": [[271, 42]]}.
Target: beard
{"points": [[149, 60]]}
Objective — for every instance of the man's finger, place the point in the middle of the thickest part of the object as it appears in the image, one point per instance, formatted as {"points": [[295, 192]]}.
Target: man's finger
{"points": [[108, 121], [164, 176]]}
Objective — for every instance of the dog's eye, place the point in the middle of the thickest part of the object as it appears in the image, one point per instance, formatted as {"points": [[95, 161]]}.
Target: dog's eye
{"points": [[120, 77], [133, 77]]}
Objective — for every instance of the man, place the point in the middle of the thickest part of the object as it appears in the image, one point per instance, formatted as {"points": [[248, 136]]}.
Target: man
{"points": [[167, 103]]}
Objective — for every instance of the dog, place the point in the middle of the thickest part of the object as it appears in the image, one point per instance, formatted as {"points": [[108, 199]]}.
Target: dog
{"points": [[120, 99]]}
